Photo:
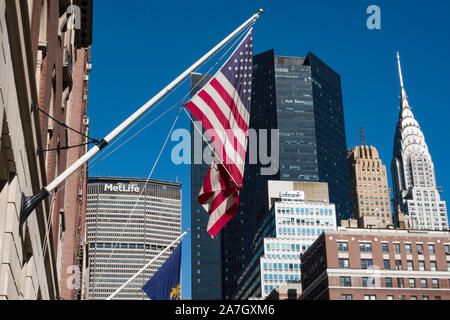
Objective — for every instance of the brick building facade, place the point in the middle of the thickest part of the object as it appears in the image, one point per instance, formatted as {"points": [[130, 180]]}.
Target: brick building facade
{"points": [[45, 63], [369, 188], [385, 264]]}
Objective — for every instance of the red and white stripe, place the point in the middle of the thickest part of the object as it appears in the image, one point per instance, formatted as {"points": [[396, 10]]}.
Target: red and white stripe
{"points": [[225, 118]]}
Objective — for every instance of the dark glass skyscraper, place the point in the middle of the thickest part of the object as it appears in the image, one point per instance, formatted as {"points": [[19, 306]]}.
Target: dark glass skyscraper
{"points": [[206, 252], [302, 98]]}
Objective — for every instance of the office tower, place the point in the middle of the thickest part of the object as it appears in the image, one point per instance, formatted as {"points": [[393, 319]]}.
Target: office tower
{"points": [[298, 224], [372, 264], [206, 255], [369, 188], [417, 200], [44, 63], [300, 212], [302, 98], [128, 223]]}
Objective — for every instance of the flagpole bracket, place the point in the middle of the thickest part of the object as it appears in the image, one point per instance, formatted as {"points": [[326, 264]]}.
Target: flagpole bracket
{"points": [[30, 203]]}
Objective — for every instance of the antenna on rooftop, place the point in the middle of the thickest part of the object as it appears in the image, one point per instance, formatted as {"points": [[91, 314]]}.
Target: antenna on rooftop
{"points": [[362, 136]]}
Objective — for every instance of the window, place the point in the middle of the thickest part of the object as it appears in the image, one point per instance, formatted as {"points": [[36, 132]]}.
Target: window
{"points": [[366, 263], [398, 264], [387, 265], [370, 297], [431, 250], [413, 297], [385, 247], [426, 297], [423, 283], [419, 248], [408, 248], [365, 247], [433, 265], [410, 265], [365, 282], [435, 283], [388, 282], [345, 281], [368, 282], [342, 246], [346, 297], [447, 249], [344, 264], [412, 283], [400, 283], [397, 247], [437, 298], [390, 298], [422, 265]]}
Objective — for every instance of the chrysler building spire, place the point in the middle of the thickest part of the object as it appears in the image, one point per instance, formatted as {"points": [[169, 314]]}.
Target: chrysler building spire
{"points": [[404, 97], [401, 76], [415, 193]]}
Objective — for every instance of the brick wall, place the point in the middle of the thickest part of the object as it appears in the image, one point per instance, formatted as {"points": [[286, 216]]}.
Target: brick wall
{"points": [[73, 201], [333, 273]]}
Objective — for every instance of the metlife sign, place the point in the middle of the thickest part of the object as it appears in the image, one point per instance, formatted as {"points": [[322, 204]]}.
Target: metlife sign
{"points": [[122, 188]]}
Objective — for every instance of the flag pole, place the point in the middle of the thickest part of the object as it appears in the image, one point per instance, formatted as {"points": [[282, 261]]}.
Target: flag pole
{"points": [[147, 265], [30, 203]]}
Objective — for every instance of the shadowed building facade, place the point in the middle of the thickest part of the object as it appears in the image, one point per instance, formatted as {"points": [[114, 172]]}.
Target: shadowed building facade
{"points": [[302, 99], [206, 254], [45, 50]]}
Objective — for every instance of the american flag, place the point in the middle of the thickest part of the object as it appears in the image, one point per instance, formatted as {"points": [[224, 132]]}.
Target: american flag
{"points": [[223, 108]]}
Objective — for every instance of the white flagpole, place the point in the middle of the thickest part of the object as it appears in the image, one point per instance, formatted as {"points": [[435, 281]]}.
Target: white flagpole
{"points": [[147, 265], [30, 203]]}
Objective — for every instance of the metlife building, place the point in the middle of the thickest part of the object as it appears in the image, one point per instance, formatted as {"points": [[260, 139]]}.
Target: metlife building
{"points": [[128, 222]]}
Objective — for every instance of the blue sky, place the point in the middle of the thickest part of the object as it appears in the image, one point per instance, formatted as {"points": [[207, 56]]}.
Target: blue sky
{"points": [[141, 46]]}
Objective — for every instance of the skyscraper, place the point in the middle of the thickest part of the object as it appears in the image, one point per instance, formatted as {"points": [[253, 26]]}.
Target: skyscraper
{"points": [[298, 224], [369, 188], [127, 226], [300, 212], [417, 201], [206, 256], [302, 98]]}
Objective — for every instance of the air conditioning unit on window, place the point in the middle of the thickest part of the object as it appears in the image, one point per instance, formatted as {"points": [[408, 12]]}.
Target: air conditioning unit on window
{"points": [[85, 97], [88, 67], [80, 192], [86, 78], [86, 121]]}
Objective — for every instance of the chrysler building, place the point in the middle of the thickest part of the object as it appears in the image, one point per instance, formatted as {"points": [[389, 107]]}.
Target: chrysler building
{"points": [[417, 201]]}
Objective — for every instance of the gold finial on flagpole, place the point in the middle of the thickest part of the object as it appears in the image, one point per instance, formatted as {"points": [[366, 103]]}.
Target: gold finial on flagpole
{"points": [[260, 11]]}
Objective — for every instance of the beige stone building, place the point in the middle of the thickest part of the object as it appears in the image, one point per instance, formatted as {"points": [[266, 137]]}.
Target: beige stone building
{"points": [[44, 62], [369, 188]]}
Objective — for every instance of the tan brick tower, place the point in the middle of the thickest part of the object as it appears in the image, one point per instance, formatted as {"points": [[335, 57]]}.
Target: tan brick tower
{"points": [[369, 188]]}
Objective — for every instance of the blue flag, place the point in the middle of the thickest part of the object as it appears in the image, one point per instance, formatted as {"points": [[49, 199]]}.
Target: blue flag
{"points": [[165, 283]]}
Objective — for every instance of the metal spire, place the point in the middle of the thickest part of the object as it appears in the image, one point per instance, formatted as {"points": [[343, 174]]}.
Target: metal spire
{"points": [[401, 77], [362, 137]]}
